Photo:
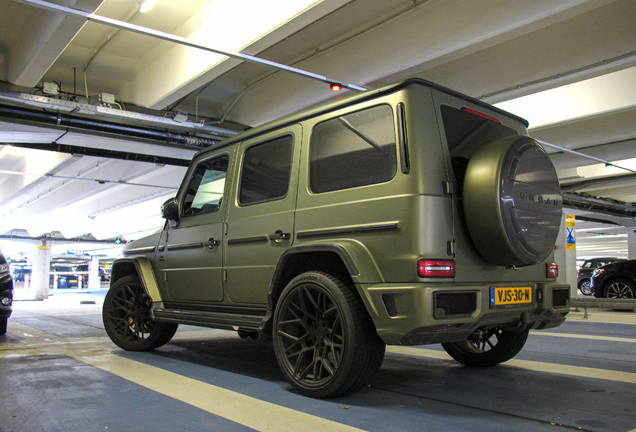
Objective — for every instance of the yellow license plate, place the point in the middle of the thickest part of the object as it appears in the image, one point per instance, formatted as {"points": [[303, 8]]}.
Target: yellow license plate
{"points": [[503, 296]]}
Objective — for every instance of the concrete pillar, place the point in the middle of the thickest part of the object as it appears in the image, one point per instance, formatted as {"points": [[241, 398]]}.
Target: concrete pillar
{"points": [[41, 270], [94, 281], [565, 253], [631, 243]]}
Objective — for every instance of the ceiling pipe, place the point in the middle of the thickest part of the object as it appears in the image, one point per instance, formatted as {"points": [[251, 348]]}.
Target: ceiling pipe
{"points": [[64, 120], [606, 182], [165, 189], [586, 202], [184, 41], [567, 150]]}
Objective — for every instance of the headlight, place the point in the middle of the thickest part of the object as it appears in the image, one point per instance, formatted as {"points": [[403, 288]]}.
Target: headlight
{"points": [[4, 268], [596, 272]]}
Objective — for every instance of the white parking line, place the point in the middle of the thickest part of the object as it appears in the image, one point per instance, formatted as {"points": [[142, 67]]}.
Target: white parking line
{"points": [[552, 368], [580, 336]]}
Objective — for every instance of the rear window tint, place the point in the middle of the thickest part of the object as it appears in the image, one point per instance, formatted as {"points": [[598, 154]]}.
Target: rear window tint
{"points": [[356, 149], [465, 133]]}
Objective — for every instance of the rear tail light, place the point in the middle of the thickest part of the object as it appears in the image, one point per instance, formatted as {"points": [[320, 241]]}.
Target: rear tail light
{"points": [[436, 268], [552, 270], [481, 114]]}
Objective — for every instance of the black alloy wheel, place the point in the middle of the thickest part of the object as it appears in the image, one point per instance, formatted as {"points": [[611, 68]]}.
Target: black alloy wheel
{"points": [[325, 343], [128, 320], [620, 289], [487, 348]]}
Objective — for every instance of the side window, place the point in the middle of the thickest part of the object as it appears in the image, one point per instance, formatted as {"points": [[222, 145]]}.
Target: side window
{"points": [[205, 191], [356, 149], [587, 264], [266, 171]]}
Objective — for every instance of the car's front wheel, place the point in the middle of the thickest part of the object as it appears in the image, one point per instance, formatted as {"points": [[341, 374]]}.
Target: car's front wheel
{"points": [[127, 317], [487, 348], [324, 340], [585, 287]]}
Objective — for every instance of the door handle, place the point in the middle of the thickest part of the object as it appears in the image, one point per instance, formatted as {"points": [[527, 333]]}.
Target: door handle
{"points": [[211, 243], [279, 235]]}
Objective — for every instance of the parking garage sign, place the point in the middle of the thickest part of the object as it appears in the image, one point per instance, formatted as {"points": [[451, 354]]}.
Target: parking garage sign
{"points": [[570, 225]]}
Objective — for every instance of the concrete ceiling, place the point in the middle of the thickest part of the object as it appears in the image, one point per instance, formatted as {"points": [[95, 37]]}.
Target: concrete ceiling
{"points": [[567, 66]]}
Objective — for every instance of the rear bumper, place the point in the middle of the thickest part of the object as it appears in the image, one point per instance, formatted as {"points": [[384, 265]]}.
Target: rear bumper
{"points": [[412, 314]]}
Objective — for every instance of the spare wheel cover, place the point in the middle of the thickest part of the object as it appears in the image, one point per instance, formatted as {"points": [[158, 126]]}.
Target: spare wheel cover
{"points": [[512, 201]]}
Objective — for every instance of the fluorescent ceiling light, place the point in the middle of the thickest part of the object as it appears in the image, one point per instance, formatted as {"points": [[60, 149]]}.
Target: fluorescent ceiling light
{"points": [[10, 137], [145, 7], [605, 93]]}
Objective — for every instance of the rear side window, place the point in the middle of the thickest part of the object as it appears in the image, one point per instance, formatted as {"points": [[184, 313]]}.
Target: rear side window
{"points": [[353, 150], [266, 171], [466, 132]]}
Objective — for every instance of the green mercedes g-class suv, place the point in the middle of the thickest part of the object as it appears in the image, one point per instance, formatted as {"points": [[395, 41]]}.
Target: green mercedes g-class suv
{"points": [[406, 215]]}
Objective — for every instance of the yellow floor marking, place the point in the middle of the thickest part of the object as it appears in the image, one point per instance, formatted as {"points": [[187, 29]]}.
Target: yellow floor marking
{"points": [[580, 371], [236, 407], [580, 336], [245, 410]]}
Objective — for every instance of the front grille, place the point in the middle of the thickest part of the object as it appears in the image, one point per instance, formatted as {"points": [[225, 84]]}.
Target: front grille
{"points": [[455, 303], [560, 297]]}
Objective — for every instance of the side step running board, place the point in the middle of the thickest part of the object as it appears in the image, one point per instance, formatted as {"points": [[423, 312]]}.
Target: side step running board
{"points": [[221, 320]]}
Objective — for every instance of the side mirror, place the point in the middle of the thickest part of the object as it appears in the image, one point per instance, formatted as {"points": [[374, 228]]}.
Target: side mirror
{"points": [[170, 211]]}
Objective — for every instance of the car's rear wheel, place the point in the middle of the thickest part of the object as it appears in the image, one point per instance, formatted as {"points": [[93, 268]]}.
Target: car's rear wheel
{"points": [[127, 317], [621, 288], [487, 348], [3, 325], [324, 340], [585, 287]]}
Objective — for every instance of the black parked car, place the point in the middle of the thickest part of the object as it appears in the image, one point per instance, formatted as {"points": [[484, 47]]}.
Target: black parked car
{"points": [[585, 272], [616, 280], [21, 274], [67, 277], [6, 294]]}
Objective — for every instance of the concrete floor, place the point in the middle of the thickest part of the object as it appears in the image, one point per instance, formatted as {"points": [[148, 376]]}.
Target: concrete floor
{"points": [[60, 372]]}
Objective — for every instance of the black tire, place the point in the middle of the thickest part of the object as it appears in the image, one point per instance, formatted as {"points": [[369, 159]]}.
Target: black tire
{"points": [[512, 201], [620, 288], [3, 325], [488, 349], [324, 340], [585, 287], [127, 318]]}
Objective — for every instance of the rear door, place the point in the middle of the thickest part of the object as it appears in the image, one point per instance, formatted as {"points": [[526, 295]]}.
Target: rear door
{"points": [[261, 214]]}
